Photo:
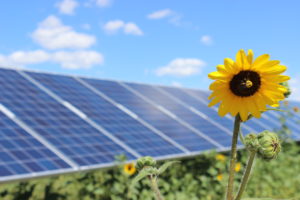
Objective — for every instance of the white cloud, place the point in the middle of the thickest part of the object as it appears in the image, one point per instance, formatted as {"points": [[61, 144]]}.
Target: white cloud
{"points": [[67, 6], [176, 84], [21, 58], [206, 40], [77, 59], [133, 29], [52, 34], [181, 67], [160, 14], [103, 3], [114, 26], [69, 60], [86, 26], [294, 84]]}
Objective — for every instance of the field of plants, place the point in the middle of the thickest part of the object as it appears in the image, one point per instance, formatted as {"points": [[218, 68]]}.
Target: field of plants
{"points": [[199, 178]]}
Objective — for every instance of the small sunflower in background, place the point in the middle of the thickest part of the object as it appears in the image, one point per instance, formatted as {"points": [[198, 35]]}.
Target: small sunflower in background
{"points": [[220, 157], [129, 168], [238, 167], [246, 86], [219, 177]]}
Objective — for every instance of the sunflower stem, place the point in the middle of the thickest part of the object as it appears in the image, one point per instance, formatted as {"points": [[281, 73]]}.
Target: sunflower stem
{"points": [[241, 137], [246, 175], [236, 131], [155, 188]]}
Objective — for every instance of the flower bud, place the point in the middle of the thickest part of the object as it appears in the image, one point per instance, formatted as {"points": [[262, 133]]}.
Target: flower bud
{"points": [[269, 145], [251, 142], [146, 161]]}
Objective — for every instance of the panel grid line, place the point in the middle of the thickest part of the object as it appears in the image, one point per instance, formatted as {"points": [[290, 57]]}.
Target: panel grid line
{"points": [[135, 115], [177, 119], [38, 137], [89, 121]]}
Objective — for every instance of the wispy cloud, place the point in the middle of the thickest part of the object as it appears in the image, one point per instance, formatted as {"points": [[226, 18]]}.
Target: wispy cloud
{"points": [[160, 14], [176, 84], [70, 60], [181, 67], [52, 34], [103, 3], [206, 40], [67, 6], [168, 14], [114, 26]]}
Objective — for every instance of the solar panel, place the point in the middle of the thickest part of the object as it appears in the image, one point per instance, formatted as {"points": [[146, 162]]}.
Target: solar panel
{"points": [[71, 135], [51, 124], [201, 124], [23, 155], [253, 123], [201, 106], [152, 115], [113, 119]]}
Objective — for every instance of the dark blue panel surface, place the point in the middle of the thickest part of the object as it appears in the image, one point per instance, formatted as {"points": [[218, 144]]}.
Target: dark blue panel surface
{"points": [[202, 107], [204, 96], [117, 122], [152, 115], [20, 153], [184, 113], [54, 122]]}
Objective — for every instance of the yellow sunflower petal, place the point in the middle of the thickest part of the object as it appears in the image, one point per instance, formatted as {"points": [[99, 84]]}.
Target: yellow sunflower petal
{"points": [[276, 79], [217, 85], [217, 75], [236, 96], [250, 56], [261, 60], [241, 60], [277, 69]]}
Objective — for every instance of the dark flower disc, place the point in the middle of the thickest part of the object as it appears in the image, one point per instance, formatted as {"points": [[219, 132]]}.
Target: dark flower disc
{"points": [[238, 83]]}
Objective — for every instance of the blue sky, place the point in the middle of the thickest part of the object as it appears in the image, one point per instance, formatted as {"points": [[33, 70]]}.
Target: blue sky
{"points": [[168, 42]]}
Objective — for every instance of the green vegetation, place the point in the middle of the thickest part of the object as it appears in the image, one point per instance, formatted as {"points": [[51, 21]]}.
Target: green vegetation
{"points": [[202, 177]]}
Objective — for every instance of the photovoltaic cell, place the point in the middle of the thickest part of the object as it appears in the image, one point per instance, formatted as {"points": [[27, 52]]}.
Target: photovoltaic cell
{"points": [[201, 107], [20, 153], [117, 122], [152, 115], [204, 96], [66, 131], [184, 113]]}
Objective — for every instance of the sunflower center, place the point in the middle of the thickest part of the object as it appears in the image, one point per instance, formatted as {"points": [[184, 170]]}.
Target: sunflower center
{"points": [[246, 83]]}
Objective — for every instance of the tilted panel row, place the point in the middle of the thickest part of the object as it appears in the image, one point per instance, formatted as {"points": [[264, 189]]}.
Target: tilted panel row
{"points": [[183, 113], [152, 115], [23, 155], [71, 135], [117, 122], [201, 106], [270, 120]]}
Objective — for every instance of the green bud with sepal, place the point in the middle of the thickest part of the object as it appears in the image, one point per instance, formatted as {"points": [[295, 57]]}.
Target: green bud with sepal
{"points": [[269, 145], [146, 161], [251, 142]]}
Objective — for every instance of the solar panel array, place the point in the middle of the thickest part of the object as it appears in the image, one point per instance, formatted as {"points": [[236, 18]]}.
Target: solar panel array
{"points": [[52, 124]]}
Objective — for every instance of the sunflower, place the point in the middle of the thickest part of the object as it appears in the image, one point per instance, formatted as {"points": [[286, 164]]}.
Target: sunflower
{"points": [[129, 168], [247, 86], [238, 167], [220, 157], [219, 177]]}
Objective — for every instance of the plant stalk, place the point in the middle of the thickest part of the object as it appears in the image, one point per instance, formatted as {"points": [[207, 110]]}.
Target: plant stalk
{"points": [[155, 188], [237, 123], [246, 175]]}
